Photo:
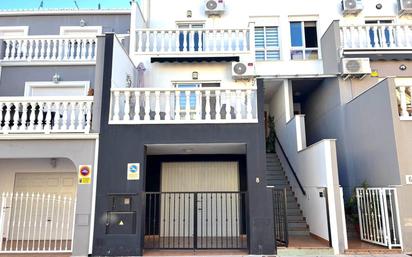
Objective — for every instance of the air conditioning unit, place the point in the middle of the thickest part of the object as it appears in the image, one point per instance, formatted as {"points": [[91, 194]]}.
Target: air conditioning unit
{"points": [[405, 7], [355, 67], [243, 70], [352, 6], [214, 7]]}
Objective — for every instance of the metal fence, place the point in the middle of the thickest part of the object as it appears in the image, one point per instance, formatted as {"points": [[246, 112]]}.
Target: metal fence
{"points": [[195, 220], [379, 216], [36, 222], [280, 216]]}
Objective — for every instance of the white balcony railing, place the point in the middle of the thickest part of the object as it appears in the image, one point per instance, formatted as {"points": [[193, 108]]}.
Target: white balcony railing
{"points": [[174, 106], [377, 36], [404, 102], [45, 114], [49, 48], [193, 41]]}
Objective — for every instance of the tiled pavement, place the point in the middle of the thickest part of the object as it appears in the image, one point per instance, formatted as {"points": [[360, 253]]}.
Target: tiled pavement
{"points": [[68, 255]]}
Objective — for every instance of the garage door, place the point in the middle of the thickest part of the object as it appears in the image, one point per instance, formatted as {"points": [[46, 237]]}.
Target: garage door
{"points": [[63, 184]]}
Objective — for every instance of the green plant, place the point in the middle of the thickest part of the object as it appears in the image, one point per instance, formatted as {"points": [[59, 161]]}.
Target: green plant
{"points": [[271, 139], [352, 204]]}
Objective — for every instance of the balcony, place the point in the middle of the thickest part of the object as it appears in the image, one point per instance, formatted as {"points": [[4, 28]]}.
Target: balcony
{"points": [[382, 39], [404, 94], [46, 49], [45, 115], [194, 42], [183, 106]]}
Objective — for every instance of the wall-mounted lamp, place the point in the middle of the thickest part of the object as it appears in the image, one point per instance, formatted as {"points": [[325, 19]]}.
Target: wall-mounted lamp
{"points": [[189, 14], [195, 75], [402, 67], [82, 23], [56, 78], [379, 6], [129, 80]]}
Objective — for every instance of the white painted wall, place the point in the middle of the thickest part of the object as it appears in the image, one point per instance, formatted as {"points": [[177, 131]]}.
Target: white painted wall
{"points": [[122, 66], [315, 166]]}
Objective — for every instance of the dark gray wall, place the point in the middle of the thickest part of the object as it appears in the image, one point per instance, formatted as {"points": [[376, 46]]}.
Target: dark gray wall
{"points": [[121, 144], [363, 127], [13, 78], [50, 24], [330, 46]]}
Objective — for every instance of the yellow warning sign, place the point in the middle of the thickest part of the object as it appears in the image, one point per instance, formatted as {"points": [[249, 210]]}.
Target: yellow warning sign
{"points": [[85, 174]]}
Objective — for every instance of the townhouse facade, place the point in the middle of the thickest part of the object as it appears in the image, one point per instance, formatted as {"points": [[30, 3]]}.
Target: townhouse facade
{"points": [[207, 125]]}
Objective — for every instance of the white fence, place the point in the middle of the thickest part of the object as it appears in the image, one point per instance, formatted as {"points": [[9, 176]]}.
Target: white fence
{"points": [[213, 41], [45, 114], [379, 216], [404, 94], [376, 36], [34, 222], [49, 48], [173, 105]]}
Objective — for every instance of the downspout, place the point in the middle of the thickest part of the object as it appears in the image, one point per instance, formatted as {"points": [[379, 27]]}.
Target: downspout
{"points": [[94, 187]]}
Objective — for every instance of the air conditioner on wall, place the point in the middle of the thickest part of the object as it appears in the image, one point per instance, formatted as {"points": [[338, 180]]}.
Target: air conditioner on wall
{"points": [[352, 6], [355, 67], [214, 7], [243, 70], [405, 7]]}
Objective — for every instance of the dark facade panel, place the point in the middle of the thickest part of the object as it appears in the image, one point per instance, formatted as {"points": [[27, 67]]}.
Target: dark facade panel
{"points": [[122, 144]]}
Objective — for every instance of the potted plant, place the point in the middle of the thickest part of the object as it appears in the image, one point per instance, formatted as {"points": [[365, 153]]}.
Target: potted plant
{"points": [[352, 207]]}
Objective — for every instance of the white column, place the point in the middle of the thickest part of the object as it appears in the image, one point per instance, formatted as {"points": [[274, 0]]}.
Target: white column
{"points": [[126, 116], [116, 105]]}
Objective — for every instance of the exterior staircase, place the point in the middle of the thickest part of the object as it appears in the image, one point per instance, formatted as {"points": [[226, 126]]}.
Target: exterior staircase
{"points": [[275, 176]]}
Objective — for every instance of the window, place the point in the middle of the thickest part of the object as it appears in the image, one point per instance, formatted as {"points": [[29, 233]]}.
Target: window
{"points": [[377, 36], [12, 31], [304, 40], [63, 88], [267, 43], [196, 36]]}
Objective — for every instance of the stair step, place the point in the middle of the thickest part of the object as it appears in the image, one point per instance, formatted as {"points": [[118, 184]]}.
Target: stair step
{"points": [[296, 225]]}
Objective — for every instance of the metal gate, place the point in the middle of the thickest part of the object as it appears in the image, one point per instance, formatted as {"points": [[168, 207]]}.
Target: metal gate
{"points": [[198, 220], [379, 216], [280, 216], [35, 223]]}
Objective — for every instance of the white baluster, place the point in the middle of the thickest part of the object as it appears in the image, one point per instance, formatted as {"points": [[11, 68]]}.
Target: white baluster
{"points": [[19, 49], [162, 41], [391, 40], [126, 106], [32, 118], [15, 117], [407, 30], [7, 117], [177, 41], [237, 40], [177, 104], [65, 116], [249, 115], [206, 44], [54, 54], [72, 46], [167, 105], [404, 110], [23, 116], [198, 105], [246, 46], [42, 49], [155, 38], [36, 49], [147, 48], [84, 49], [140, 41], [218, 104], [116, 106], [57, 118], [207, 106], [24, 50], [243, 103], [48, 49], [157, 105], [147, 105], [73, 107], [14, 51], [238, 113], [81, 117], [88, 121], [47, 118], [185, 40], [8, 45], [228, 99], [200, 42], [137, 106], [187, 106]]}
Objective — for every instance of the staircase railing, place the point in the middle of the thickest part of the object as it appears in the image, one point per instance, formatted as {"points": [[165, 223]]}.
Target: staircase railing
{"points": [[290, 166]]}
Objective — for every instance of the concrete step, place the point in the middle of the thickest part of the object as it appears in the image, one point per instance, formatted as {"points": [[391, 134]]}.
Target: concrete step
{"points": [[302, 225], [308, 251], [298, 232]]}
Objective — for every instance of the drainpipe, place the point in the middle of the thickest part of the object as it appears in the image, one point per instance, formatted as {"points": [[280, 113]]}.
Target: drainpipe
{"points": [[94, 187]]}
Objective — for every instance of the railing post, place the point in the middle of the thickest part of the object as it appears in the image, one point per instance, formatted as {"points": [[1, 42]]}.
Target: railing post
{"points": [[252, 38]]}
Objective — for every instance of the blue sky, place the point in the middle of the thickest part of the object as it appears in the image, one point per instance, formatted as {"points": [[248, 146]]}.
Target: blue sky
{"points": [[83, 4]]}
